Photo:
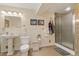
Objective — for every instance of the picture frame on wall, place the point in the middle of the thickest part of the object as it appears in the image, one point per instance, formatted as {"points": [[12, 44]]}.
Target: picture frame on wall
{"points": [[40, 22], [33, 22]]}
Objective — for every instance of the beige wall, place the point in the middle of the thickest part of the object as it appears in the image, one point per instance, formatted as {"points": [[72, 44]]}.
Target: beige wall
{"points": [[76, 11], [43, 30]]}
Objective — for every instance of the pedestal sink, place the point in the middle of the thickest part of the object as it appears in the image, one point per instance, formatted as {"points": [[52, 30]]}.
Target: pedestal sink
{"points": [[9, 37]]}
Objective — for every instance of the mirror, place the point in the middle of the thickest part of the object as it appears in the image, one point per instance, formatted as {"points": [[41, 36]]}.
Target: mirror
{"points": [[12, 25], [6, 23], [12, 22]]}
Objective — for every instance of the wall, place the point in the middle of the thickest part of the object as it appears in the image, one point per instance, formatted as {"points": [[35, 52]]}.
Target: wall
{"points": [[43, 30], [31, 30], [76, 12]]}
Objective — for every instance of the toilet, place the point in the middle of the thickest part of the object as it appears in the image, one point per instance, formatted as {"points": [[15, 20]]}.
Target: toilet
{"points": [[24, 45], [24, 50]]}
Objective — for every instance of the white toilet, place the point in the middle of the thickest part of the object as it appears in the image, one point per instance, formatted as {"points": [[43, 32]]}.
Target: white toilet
{"points": [[24, 45]]}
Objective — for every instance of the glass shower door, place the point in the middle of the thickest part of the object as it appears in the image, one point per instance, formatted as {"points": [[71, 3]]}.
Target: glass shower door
{"points": [[67, 30], [58, 29], [64, 30]]}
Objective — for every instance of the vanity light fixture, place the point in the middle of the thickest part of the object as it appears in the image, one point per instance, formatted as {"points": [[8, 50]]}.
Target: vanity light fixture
{"points": [[15, 14], [68, 9], [20, 14], [3, 12], [9, 13]]}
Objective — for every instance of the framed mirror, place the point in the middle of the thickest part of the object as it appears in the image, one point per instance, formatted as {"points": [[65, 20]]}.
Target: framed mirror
{"points": [[12, 22]]}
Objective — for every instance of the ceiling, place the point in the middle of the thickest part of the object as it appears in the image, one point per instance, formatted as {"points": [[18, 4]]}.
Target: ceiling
{"points": [[33, 6], [41, 7], [54, 7]]}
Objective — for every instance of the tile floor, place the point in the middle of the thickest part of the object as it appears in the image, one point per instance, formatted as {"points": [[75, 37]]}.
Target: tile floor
{"points": [[45, 51]]}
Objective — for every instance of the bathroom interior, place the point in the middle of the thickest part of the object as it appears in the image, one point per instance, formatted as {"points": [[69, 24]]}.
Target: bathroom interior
{"points": [[24, 29]]}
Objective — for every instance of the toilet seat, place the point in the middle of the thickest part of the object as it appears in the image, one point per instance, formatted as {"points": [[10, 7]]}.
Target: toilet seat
{"points": [[24, 50], [24, 47]]}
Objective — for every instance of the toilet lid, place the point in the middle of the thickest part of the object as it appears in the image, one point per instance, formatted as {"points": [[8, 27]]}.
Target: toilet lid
{"points": [[24, 47]]}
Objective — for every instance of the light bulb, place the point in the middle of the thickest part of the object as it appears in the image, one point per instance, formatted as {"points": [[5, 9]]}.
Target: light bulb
{"points": [[9, 13], [15, 13], [3, 12], [68, 9], [20, 14]]}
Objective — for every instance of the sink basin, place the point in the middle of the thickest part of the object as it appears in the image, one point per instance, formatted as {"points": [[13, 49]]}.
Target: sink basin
{"points": [[8, 36], [10, 43]]}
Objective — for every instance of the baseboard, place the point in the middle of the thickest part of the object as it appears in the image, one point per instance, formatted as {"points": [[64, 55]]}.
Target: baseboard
{"points": [[66, 49], [46, 45]]}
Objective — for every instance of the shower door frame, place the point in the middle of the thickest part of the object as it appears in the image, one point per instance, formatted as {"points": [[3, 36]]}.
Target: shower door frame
{"points": [[73, 30]]}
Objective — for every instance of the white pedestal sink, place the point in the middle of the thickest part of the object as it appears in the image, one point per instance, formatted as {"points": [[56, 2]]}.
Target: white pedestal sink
{"points": [[9, 37]]}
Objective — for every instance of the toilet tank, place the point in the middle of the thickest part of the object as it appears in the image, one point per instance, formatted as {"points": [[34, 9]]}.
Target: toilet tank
{"points": [[24, 40]]}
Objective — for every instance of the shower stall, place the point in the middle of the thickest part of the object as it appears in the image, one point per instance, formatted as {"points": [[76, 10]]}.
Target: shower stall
{"points": [[64, 29]]}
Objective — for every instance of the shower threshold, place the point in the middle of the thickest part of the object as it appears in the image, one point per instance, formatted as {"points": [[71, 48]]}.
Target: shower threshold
{"points": [[65, 48], [68, 45]]}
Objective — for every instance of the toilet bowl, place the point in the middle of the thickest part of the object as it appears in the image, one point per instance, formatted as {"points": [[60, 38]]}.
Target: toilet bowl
{"points": [[24, 50], [24, 45]]}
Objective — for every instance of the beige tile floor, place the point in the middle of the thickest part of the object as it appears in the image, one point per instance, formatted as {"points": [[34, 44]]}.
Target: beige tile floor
{"points": [[45, 51]]}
